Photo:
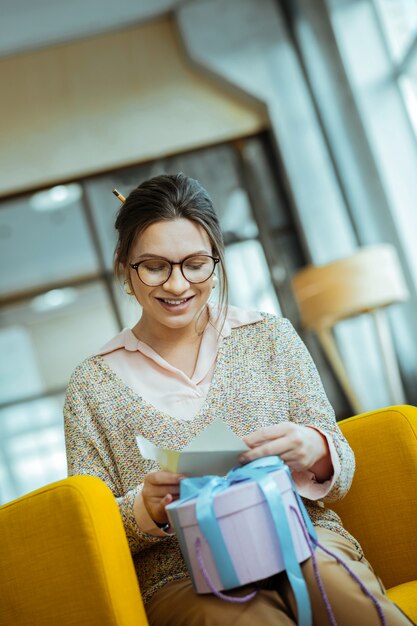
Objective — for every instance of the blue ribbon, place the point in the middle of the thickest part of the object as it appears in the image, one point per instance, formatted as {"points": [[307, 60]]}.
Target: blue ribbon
{"points": [[206, 487]]}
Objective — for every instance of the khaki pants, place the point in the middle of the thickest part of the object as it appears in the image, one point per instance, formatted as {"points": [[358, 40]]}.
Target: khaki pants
{"points": [[177, 604]]}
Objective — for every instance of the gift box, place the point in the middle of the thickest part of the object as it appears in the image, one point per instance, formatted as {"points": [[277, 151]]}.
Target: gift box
{"points": [[241, 528]]}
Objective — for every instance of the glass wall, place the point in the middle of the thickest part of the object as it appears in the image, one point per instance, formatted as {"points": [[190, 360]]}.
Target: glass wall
{"points": [[59, 302], [355, 56], [398, 25]]}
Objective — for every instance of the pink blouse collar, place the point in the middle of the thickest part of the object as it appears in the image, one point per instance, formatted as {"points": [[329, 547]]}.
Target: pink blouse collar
{"points": [[235, 318]]}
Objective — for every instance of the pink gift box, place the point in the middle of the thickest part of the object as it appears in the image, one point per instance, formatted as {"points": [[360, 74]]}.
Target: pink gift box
{"points": [[248, 531]]}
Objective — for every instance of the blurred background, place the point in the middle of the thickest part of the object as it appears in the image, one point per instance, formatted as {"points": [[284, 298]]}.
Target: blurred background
{"points": [[298, 116]]}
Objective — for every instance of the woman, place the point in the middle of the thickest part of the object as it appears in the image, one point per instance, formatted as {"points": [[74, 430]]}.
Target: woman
{"points": [[184, 364]]}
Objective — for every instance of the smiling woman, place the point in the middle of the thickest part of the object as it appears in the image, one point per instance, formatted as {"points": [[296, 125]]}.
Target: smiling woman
{"points": [[169, 245], [185, 363], [173, 301], [171, 292]]}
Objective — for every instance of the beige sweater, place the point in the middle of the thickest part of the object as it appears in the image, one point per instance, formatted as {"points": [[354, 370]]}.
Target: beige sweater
{"points": [[264, 375]]}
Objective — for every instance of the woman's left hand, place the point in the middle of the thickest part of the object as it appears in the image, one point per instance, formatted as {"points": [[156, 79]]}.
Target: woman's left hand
{"points": [[300, 447]]}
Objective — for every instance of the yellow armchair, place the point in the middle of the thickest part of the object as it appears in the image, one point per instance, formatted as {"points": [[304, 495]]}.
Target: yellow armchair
{"points": [[65, 561], [381, 506]]}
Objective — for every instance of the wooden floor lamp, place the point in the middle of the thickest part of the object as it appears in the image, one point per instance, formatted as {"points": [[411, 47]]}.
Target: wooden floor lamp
{"points": [[366, 282]]}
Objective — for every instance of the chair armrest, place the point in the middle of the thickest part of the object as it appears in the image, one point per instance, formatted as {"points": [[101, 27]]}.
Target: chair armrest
{"points": [[65, 559], [381, 506]]}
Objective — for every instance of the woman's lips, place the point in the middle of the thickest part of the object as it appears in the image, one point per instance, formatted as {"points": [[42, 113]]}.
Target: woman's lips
{"points": [[170, 304]]}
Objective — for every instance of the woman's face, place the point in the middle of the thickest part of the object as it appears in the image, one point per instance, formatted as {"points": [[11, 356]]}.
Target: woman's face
{"points": [[177, 302]]}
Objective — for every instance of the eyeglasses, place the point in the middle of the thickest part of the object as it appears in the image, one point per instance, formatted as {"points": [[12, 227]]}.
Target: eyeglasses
{"points": [[195, 269]]}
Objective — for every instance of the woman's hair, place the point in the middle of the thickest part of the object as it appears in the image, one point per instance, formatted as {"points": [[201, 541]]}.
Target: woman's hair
{"points": [[163, 198]]}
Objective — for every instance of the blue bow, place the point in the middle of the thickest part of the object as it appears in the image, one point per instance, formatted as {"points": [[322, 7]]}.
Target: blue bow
{"points": [[206, 487]]}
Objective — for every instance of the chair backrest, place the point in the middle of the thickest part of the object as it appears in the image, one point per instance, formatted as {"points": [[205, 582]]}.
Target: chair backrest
{"points": [[368, 279], [380, 509], [65, 558]]}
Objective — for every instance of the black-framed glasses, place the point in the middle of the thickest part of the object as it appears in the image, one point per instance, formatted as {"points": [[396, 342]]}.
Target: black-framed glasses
{"points": [[195, 268]]}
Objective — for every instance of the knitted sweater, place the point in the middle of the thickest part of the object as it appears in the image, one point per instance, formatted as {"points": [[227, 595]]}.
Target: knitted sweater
{"points": [[264, 375]]}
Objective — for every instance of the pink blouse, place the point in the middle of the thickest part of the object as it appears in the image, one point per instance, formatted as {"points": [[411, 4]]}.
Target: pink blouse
{"points": [[171, 391]]}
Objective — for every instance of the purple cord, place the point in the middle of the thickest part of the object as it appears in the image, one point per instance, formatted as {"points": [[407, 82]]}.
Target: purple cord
{"points": [[317, 576], [309, 538], [207, 578]]}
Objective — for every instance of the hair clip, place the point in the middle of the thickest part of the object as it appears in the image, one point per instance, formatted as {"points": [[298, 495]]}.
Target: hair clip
{"points": [[119, 195]]}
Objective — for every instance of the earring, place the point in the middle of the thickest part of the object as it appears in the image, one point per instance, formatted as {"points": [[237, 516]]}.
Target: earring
{"points": [[127, 289], [215, 281]]}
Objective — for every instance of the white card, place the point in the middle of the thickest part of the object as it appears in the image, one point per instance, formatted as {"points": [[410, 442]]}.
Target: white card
{"points": [[214, 451]]}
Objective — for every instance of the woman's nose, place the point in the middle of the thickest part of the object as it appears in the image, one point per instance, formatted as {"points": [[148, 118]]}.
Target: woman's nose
{"points": [[176, 283]]}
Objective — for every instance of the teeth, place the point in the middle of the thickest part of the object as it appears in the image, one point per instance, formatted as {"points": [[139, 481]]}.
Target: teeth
{"points": [[175, 301]]}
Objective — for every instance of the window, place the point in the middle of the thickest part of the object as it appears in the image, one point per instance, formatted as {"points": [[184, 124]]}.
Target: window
{"points": [[399, 25], [59, 302]]}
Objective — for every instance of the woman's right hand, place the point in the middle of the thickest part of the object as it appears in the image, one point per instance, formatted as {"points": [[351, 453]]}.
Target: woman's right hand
{"points": [[159, 489]]}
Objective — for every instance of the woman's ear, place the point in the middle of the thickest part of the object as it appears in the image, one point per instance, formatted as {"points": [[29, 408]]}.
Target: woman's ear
{"points": [[128, 288], [127, 284]]}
